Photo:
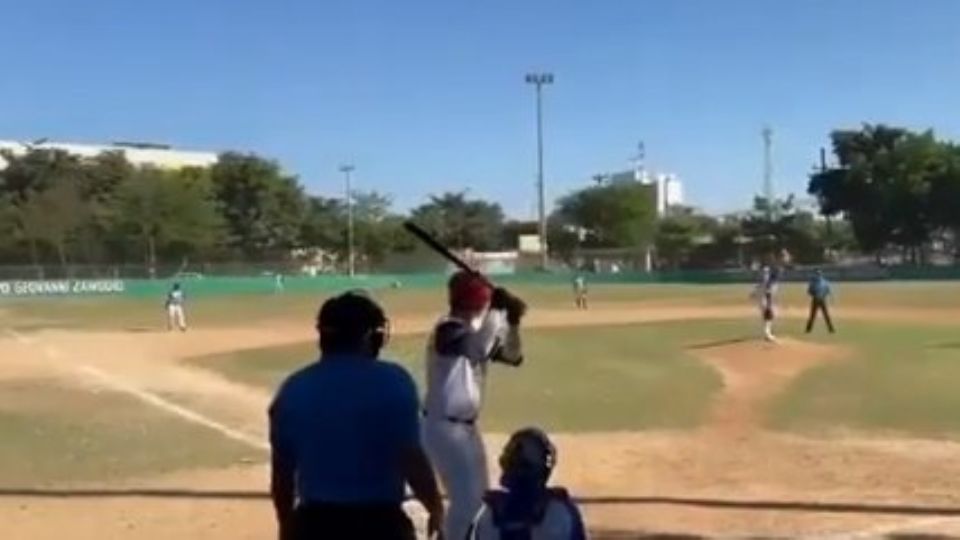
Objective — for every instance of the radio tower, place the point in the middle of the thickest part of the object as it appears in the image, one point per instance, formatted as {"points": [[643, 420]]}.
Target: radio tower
{"points": [[768, 170]]}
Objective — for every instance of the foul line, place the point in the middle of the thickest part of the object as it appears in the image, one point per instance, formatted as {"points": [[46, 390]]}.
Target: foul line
{"points": [[119, 385]]}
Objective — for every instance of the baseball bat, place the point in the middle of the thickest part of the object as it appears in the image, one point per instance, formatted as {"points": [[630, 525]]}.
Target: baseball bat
{"points": [[432, 242]]}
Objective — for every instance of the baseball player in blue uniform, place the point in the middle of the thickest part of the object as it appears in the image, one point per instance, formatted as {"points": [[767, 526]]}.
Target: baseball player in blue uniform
{"points": [[525, 508], [818, 289]]}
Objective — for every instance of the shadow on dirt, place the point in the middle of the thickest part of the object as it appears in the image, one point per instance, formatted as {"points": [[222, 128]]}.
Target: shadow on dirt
{"points": [[730, 504], [719, 343]]}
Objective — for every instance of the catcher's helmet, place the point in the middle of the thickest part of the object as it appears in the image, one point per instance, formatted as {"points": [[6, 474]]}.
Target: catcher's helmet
{"points": [[352, 321], [528, 454]]}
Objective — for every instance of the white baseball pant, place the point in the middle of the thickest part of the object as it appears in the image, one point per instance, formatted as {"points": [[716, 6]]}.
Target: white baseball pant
{"points": [[457, 453], [176, 317]]}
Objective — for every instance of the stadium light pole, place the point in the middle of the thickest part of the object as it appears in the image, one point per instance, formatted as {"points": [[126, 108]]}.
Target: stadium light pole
{"points": [[539, 80], [348, 194]]}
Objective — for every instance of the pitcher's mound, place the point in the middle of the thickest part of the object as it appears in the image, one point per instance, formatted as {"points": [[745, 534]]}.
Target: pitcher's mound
{"points": [[753, 371]]}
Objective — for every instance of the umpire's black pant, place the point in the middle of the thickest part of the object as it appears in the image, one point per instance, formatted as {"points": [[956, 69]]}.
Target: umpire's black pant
{"points": [[327, 521], [819, 304]]}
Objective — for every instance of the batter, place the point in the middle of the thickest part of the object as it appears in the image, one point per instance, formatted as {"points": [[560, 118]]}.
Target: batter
{"points": [[482, 325]]}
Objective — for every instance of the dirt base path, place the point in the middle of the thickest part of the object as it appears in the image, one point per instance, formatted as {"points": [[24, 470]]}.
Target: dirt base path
{"points": [[753, 372], [729, 478]]}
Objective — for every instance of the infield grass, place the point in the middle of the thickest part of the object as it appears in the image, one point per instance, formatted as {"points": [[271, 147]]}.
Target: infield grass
{"points": [[628, 377], [898, 378]]}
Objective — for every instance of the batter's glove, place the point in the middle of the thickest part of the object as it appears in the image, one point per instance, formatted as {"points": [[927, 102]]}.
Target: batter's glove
{"points": [[515, 307]]}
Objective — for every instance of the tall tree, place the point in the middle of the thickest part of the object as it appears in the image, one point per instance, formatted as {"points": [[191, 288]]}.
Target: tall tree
{"points": [[377, 230], [679, 233], [892, 185], [621, 215], [100, 181], [172, 212], [323, 224], [263, 208], [44, 189], [462, 222], [53, 216]]}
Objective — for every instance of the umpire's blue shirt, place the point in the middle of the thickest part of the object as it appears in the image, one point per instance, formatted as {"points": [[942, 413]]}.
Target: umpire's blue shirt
{"points": [[818, 288], [341, 424]]}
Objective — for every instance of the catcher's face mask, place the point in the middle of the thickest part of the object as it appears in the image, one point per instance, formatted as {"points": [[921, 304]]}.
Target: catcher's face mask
{"points": [[527, 460]]}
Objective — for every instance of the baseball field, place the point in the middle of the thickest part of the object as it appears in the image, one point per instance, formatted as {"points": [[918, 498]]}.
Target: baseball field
{"points": [[671, 417]]}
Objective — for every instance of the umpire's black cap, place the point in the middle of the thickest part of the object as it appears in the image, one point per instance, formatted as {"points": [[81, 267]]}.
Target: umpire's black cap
{"points": [[346, 321]]}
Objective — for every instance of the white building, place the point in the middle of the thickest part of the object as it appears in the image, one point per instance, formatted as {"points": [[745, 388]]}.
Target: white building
{"points": [[139, 154], [669, 187]]}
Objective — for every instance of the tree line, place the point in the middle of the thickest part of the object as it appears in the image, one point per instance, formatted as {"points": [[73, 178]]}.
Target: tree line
{"points": [[61, 209], [888, 189], [890, 193], [899, 190]]}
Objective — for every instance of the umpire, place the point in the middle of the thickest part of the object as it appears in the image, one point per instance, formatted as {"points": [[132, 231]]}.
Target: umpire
{"points": [[819, 291], [345, 436]]}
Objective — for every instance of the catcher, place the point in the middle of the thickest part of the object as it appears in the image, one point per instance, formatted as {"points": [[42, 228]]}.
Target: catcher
{"points": [[525, 508], [482, 326]]}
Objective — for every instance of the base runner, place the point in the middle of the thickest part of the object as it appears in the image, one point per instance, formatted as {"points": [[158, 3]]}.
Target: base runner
{"points": [[482, 326], [174, 306]]}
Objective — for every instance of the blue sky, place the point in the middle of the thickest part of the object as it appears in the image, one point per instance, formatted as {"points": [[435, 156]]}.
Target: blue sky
{"points": [[427, 96]]}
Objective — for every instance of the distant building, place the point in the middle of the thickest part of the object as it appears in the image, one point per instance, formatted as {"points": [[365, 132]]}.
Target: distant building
{"points": [[491, 263], [669, 189], [138, 154]]}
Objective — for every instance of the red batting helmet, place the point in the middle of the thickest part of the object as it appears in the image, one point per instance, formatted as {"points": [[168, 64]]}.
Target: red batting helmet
{"points": [[468, 291]]}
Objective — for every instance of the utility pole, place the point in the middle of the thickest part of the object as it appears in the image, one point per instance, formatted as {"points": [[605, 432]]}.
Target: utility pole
{"points": [[348, 195], [538, 80], [768, 171], [639, 163], [823, 169]]}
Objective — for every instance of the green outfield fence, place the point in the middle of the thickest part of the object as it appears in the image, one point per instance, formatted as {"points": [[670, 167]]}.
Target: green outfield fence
{"points": [[199, 285]]}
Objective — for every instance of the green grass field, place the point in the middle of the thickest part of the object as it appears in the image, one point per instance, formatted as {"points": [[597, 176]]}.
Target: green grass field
{"points": [[628, 377], [52, 434], [900, 378]]}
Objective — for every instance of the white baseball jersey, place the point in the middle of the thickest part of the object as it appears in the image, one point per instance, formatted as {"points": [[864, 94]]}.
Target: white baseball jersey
{"points": [[175, 298], [579, 284], [766, 291], [458, 353]]}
